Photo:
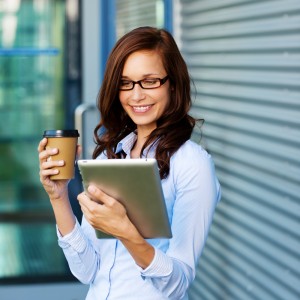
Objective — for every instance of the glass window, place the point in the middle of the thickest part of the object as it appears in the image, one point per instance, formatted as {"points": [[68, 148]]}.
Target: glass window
{"points": [[32, 56]]}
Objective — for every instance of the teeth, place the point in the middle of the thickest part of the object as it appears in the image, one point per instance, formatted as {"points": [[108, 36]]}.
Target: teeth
{"points": [[141, 108]]}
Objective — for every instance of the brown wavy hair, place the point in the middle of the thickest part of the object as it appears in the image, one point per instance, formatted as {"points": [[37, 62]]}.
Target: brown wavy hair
{"points": [[174, 127]]}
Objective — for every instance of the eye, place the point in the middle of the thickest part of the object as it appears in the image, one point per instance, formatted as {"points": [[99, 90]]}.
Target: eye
{"points": [[149, 82], [125, 83]]}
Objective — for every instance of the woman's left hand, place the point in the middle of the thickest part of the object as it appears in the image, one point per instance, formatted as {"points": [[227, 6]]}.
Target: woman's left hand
{"points": [[105, 213], [109, 215]]}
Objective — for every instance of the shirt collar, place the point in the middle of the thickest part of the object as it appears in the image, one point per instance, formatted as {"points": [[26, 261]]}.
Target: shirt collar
{"points": [[126, 144]]}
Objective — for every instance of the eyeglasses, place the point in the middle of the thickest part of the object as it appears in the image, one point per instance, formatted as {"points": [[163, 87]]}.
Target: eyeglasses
{"points": [[147, 83]]}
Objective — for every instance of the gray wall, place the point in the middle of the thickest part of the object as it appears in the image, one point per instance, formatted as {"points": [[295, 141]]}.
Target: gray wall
{"points": [[244, 57]]}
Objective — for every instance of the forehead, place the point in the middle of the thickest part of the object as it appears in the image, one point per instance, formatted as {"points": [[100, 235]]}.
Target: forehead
{"points": [[143, 63]]}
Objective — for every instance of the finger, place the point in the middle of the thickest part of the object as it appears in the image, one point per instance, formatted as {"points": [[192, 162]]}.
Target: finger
{"points": [[51, 164], [78, 151], [86, 203], [45, 155], [99, 196], [42, 145], [44, 173]]}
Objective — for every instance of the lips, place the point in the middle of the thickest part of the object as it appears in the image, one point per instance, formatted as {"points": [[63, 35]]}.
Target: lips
{"points": [[141, 109]]}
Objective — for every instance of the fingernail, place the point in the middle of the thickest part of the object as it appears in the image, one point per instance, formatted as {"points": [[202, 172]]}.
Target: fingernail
{"points": [[91, 189]]}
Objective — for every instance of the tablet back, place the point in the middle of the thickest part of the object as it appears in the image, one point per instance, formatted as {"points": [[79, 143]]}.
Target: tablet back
{"points": [[136, 184]]}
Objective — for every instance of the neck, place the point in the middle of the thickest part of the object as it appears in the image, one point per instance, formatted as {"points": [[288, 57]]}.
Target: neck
{"points": [[141, 139]]}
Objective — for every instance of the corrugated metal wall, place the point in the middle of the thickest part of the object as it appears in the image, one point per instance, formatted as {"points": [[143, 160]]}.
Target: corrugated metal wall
{"points": [[244, 57]]}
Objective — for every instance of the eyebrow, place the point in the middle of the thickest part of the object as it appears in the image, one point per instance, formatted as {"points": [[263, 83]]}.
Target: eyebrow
{"points": [[145, 75]]}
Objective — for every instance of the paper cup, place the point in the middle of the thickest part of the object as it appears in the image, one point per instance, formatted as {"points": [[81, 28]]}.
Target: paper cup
{"points": [[66, 143]]}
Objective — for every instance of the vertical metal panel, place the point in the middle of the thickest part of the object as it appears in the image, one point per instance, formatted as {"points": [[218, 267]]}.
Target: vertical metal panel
{"points": [[135, 13], [244, 58]]}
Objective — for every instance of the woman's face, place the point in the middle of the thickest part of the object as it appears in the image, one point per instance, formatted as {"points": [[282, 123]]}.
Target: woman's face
{"points": [[145, 106]]}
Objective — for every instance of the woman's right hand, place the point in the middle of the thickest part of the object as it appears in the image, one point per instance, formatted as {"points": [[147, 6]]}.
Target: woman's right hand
{"points": [[56, 189]]}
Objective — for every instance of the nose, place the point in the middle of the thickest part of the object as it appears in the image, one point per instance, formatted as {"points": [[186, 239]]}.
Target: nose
{"points": [[137, 93]]}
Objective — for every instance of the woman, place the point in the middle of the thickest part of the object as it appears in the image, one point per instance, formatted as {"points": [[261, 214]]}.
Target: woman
{"points": [[144, 103]]}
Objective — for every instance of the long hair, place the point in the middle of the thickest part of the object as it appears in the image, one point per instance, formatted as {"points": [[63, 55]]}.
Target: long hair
{"points": [[174, 127]]}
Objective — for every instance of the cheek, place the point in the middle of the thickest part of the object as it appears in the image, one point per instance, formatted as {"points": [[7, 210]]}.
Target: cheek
{"points": [[166, 101]]}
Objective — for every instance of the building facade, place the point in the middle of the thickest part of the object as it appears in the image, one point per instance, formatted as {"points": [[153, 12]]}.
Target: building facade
{"points": [[244, 60]]}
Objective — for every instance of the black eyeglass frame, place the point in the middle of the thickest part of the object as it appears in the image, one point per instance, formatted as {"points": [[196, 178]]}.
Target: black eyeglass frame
{"points": [[139, 82]]}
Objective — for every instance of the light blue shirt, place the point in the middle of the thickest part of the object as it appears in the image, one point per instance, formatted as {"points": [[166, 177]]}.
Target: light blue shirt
{"points": [[191, 193]]}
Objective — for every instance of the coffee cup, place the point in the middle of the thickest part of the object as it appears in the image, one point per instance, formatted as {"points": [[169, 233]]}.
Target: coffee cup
{"points": [[66, 143]]}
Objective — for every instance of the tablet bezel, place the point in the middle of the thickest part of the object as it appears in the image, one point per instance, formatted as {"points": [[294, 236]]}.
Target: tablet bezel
{"points": [[137, 185]]}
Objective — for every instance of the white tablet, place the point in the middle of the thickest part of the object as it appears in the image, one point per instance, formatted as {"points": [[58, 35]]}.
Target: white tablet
{"points": [[136, 184]]}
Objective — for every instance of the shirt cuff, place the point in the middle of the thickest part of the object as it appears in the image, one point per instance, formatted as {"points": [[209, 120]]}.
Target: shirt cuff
{"points": [[160, 266], [74, 239]]}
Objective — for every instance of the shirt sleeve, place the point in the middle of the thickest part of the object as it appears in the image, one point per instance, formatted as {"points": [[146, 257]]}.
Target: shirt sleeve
{"points": [[197, 192], [82, 258]]}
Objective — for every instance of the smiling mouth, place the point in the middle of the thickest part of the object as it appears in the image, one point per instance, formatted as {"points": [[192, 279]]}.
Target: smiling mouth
{"points": [[141, 109]]}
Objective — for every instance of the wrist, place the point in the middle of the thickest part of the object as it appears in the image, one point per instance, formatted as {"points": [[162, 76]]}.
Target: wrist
{"points": [[141, 251], [131, 234], [59, 197]]}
